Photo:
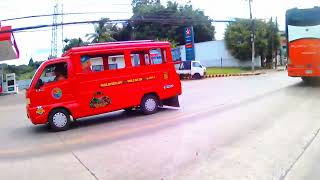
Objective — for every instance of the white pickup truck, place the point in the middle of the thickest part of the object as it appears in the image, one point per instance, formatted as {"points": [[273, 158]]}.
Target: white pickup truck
{"points": [[192, 69]]}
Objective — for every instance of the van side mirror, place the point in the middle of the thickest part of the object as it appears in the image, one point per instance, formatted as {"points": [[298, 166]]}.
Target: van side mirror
{"points": [[39, 84]]}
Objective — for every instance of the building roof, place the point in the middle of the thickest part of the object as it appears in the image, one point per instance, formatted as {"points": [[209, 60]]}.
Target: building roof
{"points": [[8, 47]]}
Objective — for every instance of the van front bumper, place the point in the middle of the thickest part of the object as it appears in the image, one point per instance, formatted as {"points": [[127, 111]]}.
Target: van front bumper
{"points": [[36, 117]]}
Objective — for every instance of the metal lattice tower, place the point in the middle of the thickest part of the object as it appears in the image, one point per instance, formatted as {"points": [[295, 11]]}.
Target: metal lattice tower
{"points": [[54, 37], [62, 40]]}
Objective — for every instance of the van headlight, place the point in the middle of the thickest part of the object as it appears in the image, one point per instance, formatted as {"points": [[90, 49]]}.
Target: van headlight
{"points": [[28, 102]]}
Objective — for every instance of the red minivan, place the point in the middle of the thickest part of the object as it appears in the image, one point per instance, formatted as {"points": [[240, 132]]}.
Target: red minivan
{"points": [[101, 78]]}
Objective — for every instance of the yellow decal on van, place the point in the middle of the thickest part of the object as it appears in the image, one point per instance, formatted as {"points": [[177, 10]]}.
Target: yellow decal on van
{"points": [[166, 75], [127, 81], [150, 78], [40, 110], [111, 84]]}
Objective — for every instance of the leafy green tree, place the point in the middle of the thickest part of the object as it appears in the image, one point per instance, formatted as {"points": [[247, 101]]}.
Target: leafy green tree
{"points": [[123, 32], [136, 4], [103, 32], [75, 42], [273, 40], [238, 38], [151, 20], [31, 62]]}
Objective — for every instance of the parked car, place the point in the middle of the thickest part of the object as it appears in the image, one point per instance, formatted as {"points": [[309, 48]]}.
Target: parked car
{"points": [[101, 78], [192, 69]]}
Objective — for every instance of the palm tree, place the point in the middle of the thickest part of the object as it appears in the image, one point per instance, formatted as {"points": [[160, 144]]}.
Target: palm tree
{"points": [[103, 32], [74, 42]]}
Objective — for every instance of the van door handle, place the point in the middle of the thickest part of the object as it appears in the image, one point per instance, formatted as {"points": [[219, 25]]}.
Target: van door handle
{"points": [[39, 90]]}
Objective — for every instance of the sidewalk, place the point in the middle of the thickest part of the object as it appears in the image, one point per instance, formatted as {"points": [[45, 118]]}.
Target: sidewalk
{"points": [[264, 71]]}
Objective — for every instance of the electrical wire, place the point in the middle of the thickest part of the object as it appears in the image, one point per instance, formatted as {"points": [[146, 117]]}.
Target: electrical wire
{"points": [[58, 14], [173, 22]]}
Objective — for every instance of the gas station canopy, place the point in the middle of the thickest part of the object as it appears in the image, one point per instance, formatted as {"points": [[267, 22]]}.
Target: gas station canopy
{"points": [[8, 46]]}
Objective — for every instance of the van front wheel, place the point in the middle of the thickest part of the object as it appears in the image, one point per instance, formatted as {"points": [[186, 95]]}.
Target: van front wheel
{"points": [[59, 120], [149, 104], [196, 76]]}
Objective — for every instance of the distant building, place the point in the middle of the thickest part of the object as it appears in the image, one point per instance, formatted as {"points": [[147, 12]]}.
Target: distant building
{"points": [[216, 54]]}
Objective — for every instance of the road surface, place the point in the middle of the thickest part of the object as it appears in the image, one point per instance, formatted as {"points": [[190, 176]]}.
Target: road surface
{"points": [[257, 127]]}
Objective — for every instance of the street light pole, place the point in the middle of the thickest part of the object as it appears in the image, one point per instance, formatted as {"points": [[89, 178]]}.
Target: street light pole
{"points": [[252, 38]]}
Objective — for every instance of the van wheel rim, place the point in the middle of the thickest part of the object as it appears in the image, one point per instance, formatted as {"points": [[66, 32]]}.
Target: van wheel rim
{"points": [[60, 120], [150, 104]]}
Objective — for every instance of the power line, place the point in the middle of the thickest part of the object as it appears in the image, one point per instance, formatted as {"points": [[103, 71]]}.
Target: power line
{"points": [[47, 25], [58, 14], [178, 22]]}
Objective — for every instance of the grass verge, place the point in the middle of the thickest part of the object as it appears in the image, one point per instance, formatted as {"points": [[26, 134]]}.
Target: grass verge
{"points": [[214, 70]]}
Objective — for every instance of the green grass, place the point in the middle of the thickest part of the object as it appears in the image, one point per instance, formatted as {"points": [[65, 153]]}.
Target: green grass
{"points": [[24, 76], [215, 70]]}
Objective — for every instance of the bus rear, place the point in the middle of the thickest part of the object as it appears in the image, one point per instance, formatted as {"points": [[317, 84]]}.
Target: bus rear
{"points": [[303, 35]]}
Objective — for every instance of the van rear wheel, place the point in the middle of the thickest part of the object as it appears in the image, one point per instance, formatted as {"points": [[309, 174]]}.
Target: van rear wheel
{"points": [[149, 104], [59, 120]]}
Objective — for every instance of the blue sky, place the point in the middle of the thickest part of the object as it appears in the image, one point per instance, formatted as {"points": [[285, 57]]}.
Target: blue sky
{"points": [[37, 44]]}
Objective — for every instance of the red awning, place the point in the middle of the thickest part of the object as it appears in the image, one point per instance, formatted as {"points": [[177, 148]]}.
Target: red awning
{"points": [[8, 46]]}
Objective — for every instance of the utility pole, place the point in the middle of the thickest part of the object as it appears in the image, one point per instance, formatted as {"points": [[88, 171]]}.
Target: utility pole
{"points": [[252, 38], [276, 49], [272, 45]]}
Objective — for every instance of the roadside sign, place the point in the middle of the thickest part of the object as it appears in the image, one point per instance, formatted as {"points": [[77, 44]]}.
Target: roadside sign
{"points": [[189, 46]]}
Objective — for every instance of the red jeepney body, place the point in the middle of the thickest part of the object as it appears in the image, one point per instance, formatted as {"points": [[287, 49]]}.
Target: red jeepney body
{"points": [[104, 77]]}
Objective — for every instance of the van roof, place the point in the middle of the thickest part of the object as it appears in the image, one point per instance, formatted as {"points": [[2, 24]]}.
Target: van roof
{"points": [[117, 45]]}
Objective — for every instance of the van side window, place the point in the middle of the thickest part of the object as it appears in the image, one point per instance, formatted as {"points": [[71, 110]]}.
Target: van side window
{"points": [[196, 64], [102, 62], [136, 59], [156, 56], [148, 57], [54, 72]]}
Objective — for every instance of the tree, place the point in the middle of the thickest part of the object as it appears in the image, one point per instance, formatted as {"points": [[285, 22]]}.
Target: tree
{"points": [[273, 40], [30, 62], [238, 38], [151, 20], [103, 32], [136, 4], [123, 33], [75, 42]]}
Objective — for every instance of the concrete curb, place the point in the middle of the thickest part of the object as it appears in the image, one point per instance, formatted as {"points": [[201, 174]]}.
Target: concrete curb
{"points": [[230, 75], [226, 75]]}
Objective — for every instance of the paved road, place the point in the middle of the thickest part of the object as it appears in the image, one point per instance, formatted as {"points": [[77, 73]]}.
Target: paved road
{"points": [[258, 127]]}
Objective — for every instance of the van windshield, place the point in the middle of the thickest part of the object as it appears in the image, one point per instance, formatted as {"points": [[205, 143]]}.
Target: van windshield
{"points": [[33, 78]]}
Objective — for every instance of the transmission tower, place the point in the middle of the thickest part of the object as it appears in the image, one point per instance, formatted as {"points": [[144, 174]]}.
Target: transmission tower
{"points": [[62, 40], [54, 40]]}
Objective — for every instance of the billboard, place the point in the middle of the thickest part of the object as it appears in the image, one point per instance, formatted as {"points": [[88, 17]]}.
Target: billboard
{"points": [[189, 39]]}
